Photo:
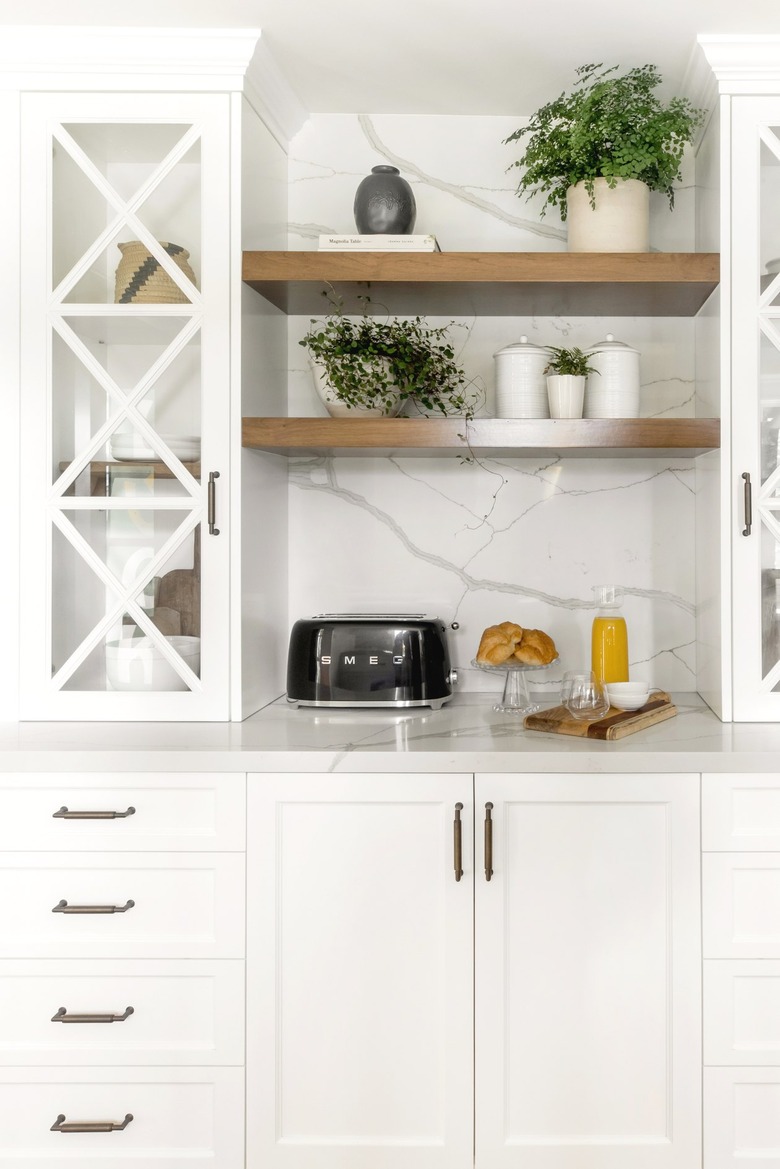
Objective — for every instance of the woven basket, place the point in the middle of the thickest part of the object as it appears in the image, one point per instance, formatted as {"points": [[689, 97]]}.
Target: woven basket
{"points": [[141, 280]]}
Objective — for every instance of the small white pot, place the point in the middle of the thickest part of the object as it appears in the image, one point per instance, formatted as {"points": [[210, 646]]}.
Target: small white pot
{"points": [[338, 409], [620, 221], [565, 393]]}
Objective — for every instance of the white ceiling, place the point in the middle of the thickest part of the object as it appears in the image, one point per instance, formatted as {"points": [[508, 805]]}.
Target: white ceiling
{"points": [[438, 56]]}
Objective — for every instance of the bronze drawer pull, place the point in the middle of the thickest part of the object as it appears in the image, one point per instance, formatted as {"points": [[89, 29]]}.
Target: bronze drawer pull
{"points": [[63, 907], [62, 1016], [60, 1125], [458, 842], [488, 841], [212, 503], [66, 814], [748, 504]]}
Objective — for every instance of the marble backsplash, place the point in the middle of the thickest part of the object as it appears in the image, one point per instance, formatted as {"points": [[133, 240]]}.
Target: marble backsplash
{"points": [[501, 539]]}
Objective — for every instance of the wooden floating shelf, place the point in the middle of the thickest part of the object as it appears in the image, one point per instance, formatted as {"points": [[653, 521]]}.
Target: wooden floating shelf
{"points": [[484, 437], [671, 284]]}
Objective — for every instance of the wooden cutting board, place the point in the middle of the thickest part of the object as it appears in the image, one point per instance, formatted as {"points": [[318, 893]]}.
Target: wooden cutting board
{"points": [[615, 725]]}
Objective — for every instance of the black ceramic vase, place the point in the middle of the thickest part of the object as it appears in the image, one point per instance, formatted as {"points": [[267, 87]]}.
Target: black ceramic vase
{"points": [[384, 203]]}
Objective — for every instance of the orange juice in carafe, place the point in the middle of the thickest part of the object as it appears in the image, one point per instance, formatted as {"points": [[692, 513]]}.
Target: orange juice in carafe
{"points": [[609, 639]]}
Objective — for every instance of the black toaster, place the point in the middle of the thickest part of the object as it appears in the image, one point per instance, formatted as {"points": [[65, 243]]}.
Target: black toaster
{"points": [[369, 659]]}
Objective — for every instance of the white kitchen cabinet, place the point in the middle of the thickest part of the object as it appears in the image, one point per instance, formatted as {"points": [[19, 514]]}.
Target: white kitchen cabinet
{"points": [[132, 605], [359, 1006], [741, 1118], [588, 973], [585, 972], [182, 1117]]}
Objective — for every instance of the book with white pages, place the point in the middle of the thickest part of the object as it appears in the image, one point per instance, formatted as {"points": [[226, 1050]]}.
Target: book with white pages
{"points": [[378, 243]]}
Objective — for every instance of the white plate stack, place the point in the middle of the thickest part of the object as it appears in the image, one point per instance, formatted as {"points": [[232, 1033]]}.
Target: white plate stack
{"points": [[133, 448], [612, 392], [521, 385]]}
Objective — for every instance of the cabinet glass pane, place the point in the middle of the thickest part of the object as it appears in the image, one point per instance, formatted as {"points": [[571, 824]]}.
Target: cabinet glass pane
{"points": [[137, 186], [767, 503], [125, 405]]}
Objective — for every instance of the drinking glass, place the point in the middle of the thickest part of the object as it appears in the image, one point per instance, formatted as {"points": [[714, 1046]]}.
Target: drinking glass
{"points": [[584, 696]]}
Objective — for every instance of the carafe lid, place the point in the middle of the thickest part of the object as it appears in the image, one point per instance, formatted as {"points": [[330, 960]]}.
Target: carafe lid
{"points": [[524, 346], [609, 343]]}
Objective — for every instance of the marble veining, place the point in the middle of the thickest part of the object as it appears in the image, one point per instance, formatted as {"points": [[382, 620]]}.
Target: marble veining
{"points": [[493, 539]]}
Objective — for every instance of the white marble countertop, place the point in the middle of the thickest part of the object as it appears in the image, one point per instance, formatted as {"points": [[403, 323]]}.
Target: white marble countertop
{"points": [[465, 735]]}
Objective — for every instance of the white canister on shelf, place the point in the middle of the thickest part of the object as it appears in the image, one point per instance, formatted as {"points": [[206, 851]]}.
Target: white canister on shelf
{"points": [[521, 385], [613, 391]]}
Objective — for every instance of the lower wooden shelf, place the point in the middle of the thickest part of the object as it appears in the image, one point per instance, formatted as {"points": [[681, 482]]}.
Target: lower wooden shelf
{"points": [[484, 437]]}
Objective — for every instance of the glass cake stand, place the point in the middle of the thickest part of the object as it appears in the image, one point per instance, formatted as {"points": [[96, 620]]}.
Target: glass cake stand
{"points": [[516, 698]]}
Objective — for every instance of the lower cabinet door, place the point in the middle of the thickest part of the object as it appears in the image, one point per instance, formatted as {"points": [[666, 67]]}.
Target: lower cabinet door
{"points": [[114, 1118], [359, 973], [741, 1118], [587, 992], [121, 1012]]}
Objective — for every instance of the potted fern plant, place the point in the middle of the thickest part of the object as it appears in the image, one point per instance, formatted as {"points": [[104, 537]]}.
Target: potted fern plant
{"points": [[598, 151], [566, 372], [369, 366]]}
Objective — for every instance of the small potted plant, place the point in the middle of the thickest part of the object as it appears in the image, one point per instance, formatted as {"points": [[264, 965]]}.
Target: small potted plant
{"points": [[598, 151], [372, 366], [566, 372]]}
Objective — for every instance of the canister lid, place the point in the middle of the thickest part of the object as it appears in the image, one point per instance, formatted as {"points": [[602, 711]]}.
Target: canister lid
{"points": [[523, 346], [611, 344]]}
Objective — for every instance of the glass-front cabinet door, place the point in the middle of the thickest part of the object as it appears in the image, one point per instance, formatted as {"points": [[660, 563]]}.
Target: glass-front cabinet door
{"points": [[125, 413], [755, 395]]}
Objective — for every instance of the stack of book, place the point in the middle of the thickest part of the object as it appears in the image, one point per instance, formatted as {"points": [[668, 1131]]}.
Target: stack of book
{"points": [[378, 243]]}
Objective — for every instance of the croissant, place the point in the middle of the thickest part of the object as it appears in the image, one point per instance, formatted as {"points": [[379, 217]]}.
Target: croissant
{"points": [[498, 643], [536, 648]]}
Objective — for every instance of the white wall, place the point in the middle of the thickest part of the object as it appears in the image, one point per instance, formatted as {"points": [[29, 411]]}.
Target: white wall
{"points": [[514, 539]]}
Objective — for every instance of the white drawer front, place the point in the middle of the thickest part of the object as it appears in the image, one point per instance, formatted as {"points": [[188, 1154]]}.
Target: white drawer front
{"points": [[187, 1118], [170, 812], [742, 1013], [741, 1118], [741, 813], [741, 892], [183, 1012], [188, 905]]}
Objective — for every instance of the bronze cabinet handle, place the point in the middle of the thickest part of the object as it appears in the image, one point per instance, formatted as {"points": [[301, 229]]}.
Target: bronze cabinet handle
{"points": [[66, 814], [212, 503], [488, 841], [748, 505], [62, 1016], [458, 842], [60, 1125], [63, 907]]}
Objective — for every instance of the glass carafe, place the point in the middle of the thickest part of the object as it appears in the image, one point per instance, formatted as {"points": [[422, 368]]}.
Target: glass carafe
{"points": [[609, 639]]}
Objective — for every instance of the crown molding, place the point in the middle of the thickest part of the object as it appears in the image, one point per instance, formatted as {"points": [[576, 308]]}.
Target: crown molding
{"points": [[270, 95], [743, 64]]}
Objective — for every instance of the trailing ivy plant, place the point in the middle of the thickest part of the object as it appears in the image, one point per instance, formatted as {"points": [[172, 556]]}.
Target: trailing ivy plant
{"points": [[571, 361], [369, 361], [611, 127]]}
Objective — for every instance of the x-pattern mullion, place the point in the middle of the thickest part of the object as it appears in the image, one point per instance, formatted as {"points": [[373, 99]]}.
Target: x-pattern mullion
{"points": [[125, 209]]}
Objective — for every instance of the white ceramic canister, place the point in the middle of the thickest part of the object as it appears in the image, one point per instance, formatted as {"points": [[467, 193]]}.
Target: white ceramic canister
{"points": [[612, 392], [521, 385]]}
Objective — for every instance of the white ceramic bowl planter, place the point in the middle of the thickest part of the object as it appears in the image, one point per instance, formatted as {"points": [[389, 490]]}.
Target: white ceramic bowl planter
{"points": [[620, 221], [338, 409]]}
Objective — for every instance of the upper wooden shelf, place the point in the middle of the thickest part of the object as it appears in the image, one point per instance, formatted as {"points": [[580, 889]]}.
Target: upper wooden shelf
{"points": [[665, 284], [485, 437]]}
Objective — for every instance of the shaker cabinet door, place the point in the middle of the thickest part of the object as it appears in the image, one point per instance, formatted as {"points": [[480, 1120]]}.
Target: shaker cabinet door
{"points": [[588, 1044], [359, 973]]}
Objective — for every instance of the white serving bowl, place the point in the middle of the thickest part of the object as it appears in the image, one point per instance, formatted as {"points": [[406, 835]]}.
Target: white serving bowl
{"points": [[627, 695], [137, 663]]}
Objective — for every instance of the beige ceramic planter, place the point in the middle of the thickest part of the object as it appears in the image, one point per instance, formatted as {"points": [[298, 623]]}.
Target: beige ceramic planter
{"points": [[618, 223]]}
